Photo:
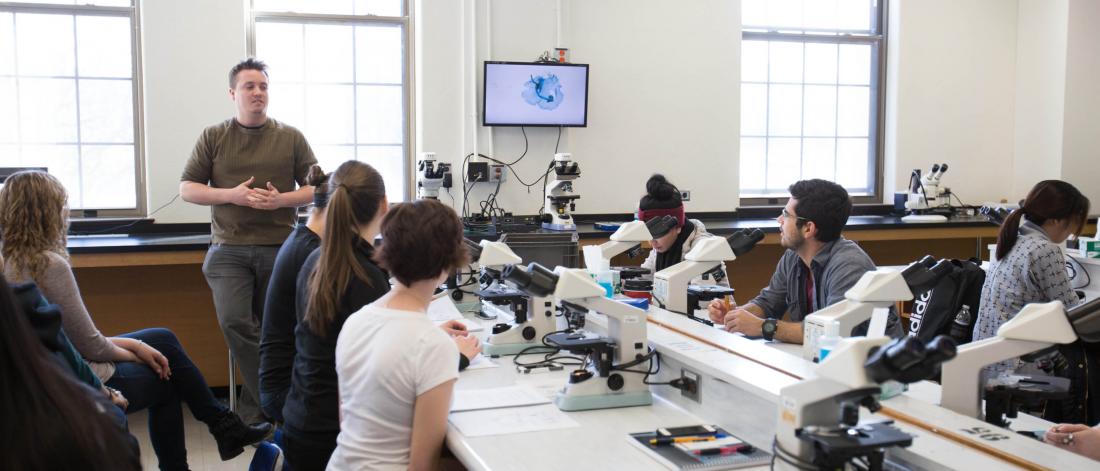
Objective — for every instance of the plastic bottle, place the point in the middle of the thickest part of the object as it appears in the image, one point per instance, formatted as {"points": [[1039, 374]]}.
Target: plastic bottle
{"points": [[960, 328], [828, 341], [604, 276]]}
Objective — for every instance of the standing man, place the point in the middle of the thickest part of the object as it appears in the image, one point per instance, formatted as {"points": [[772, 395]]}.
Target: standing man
{"points": [[245, 168], [818, 267]]}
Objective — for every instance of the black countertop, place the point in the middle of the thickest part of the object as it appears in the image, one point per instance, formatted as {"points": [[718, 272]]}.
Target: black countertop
{"points": [[119, 243]]}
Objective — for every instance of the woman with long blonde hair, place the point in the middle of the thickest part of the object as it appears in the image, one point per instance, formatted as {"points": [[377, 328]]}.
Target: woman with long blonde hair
{"points": [[149, 366]]}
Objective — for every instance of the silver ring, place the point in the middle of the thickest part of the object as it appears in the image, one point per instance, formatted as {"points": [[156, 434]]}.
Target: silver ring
{"points": [[1068, 440]]}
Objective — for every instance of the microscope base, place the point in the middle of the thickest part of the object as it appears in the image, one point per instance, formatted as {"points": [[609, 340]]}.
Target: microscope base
{"points": [[559, 227], [572, 403], [499, 349]]}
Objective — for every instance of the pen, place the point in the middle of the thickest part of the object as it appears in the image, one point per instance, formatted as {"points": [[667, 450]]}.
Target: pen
{"points": [[725, 450], [726, 301], [669, 440]]}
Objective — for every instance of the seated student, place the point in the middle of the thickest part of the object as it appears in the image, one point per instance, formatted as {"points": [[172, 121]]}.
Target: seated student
{"points": [[663, 198], [1078, 438], [1030, 268], [818, 267], [50, 421], [280, 319], [396, 369], [335, 281], [149, 366]]}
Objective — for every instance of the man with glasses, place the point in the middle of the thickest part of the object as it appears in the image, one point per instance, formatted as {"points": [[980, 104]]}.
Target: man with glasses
{"points": [[818, 267]]}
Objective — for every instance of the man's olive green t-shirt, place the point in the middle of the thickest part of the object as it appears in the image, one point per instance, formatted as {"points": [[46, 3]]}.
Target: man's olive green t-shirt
{"points": [[227, 154]]}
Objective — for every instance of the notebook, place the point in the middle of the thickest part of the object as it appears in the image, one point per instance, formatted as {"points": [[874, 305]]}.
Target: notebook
{"points": [[677, 458]]}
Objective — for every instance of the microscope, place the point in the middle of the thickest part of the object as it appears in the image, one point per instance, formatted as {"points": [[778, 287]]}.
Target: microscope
{"points": [[670, 286], [431, 176], [871, 298], [928, 200], [819, 426], [605, 380], [1036, 327], [560, 200]]}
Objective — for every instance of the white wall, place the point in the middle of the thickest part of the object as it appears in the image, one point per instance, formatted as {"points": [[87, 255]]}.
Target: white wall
{"points": [[1081, 147], [188, 48], [660, 98], [953, 91], [1040, 92]]}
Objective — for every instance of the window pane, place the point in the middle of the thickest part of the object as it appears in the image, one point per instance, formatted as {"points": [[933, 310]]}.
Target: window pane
{"points": [[280, 46], [818, 159], [754, 61], [785, 64], [853, 111], [44, 44], [103, 46], [378, 7], [330, 114], [332, 7], [754, 109], [7, 44], [381, 116], [379, 54], [754, 12], [390, 162], [854, 15], [61, 162], [785, 14], [852, 157], [288, 105], [9, 125], [9, 157], [49, 111], [783, 162], [855, 64], [330, 157], [820, 14], [753, 163], [820, 63], [328, 50], [106, 111], [102, 3], [820, 111], [108, 173], [785, 110]]}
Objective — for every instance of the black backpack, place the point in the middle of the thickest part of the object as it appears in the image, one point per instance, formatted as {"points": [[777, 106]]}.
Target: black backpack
{"points": [[935, 311]]}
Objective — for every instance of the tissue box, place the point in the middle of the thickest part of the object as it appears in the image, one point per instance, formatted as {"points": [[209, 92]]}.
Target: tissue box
{"points": [[1089, 247]]}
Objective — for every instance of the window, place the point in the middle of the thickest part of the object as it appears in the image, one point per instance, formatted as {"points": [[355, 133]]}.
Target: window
{"points": [[339, 73], [69, 98], [812, 76]]}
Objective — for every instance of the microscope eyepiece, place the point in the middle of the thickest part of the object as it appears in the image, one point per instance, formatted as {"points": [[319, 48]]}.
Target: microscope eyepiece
{"points": [[907, 360], [744, 240], [537, 280], [659, 226], [1085, 318], [473, 248]]}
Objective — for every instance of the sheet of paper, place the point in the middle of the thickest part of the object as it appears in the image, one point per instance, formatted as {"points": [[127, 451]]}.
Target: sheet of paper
{"points": [[442, 309], [511, 420], [481, 362], [493, 398]]}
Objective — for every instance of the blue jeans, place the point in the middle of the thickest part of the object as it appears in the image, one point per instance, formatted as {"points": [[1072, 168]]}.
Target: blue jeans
{"points": [[238, 276], [144, 389]]}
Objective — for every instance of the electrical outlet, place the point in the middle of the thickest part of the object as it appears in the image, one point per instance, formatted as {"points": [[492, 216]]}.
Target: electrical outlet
{"points": [[496, 173], [685, 195], [692, 385], [477, 172]]}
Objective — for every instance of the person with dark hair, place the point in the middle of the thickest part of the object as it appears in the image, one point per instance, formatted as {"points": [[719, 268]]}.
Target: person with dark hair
{"points": [[1031, 268], [280, 318], [818, 267], [663, 198], [246, 168], [336, 280], [50, 421], [149, 366], [395, 367]]}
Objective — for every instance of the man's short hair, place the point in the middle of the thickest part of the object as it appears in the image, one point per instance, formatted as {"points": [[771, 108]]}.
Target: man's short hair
{"points": [[248, 64], [825, 203]]}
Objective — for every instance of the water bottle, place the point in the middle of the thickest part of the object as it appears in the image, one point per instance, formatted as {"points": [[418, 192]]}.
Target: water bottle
{"points": [[828, 340], [960, 329]]}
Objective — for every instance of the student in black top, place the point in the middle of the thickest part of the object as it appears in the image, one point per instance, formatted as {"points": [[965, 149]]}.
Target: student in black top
{"points": [[280, 319], [662, 198]]}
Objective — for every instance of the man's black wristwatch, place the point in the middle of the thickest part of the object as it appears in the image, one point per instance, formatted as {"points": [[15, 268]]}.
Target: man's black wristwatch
{"points": [[768, 328]]}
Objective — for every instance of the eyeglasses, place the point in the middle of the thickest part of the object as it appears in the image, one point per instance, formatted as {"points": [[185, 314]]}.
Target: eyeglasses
{"points": [[786, 215]]}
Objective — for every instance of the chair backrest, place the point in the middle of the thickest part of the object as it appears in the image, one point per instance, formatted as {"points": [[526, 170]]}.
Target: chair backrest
{"points": [[267, 458]]}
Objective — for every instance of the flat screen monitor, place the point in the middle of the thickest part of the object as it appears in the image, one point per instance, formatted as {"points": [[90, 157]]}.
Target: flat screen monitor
{"points": [[535, 94]]}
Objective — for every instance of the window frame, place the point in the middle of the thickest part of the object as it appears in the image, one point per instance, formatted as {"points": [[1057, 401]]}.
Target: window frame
{"points": [[877, 135], [407, 78], [133, 11]]}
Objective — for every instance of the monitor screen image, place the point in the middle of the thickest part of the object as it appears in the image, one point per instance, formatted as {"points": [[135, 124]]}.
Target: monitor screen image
{"points": [[535, 94]]}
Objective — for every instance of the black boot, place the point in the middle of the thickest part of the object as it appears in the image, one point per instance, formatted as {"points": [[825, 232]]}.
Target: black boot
{"points": [[233, 435]]}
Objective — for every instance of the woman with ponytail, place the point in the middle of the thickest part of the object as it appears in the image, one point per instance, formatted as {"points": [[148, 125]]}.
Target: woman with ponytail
{"points": [[277, 336], [663, 198], [1030, 266]]}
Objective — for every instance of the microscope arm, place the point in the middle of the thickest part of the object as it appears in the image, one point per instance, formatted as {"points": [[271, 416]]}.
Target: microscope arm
{"points": [[962, 379], [626, 324], [612, 248]]}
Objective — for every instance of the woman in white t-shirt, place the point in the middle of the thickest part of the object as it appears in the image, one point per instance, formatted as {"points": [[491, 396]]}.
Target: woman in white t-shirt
{"points": [[395, 367]]}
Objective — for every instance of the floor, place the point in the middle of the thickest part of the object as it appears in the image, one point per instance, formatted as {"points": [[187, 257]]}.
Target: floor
{"points": [[202, 451]]}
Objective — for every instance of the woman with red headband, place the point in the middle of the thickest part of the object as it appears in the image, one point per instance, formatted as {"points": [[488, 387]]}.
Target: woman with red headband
{"points": [[669, 246]]}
